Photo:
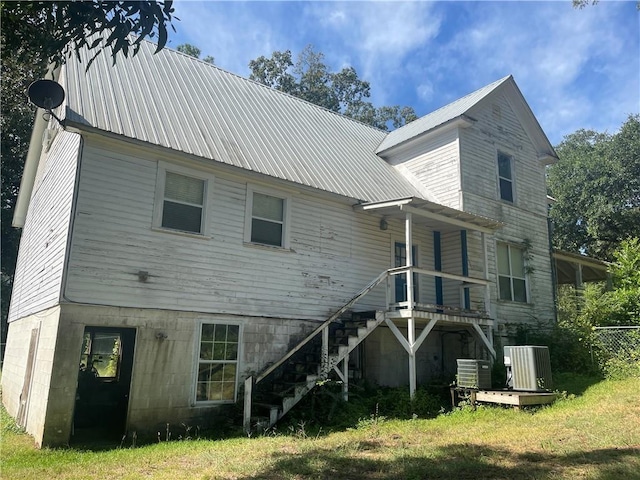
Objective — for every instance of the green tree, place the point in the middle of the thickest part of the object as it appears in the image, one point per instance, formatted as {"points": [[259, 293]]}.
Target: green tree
{"points": [[619, 305], [194, 51], [596, 184], [33, 35], [60, 28], [310, 79]]}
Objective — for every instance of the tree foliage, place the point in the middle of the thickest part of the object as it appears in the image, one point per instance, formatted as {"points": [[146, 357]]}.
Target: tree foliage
{"points": [[619, 305], [194, 51], [60, 28], [33, 35], [309, 78], [596, 184]]}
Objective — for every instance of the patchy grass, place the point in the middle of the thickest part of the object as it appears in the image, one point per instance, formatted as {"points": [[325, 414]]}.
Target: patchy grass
{"points": [[595, 435]]}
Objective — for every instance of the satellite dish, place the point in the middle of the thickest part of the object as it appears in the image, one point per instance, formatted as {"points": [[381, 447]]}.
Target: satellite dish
{"points": [[46, 94]]}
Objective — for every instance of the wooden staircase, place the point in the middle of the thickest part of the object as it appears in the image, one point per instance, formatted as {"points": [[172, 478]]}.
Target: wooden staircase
{"points": [[281, 388]]}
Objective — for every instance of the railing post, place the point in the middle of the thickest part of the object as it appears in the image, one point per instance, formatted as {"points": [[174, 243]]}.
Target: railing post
{"points": [[325, 352], [248, 392], [345, 380]]}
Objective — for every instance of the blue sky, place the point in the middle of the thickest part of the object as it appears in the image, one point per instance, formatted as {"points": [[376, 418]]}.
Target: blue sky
{"points": [[576, 68]]}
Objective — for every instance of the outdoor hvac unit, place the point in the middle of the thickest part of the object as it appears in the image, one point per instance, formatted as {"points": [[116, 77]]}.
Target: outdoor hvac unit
{"points": [[528, 368], [474, 373]]}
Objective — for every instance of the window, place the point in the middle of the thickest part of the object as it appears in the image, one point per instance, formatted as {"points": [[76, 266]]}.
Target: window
{"points": [[512, 282], [181, 198], [183, 203], [100, 354], [267, 214], [217, 363], [505, 176]]}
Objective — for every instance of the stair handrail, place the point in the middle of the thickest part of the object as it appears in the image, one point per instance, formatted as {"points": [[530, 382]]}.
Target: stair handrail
{"points": [[379, 279]]}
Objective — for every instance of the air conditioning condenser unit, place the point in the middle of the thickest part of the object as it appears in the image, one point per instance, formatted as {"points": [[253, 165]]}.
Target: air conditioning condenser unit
{"points": [[528, 368]]}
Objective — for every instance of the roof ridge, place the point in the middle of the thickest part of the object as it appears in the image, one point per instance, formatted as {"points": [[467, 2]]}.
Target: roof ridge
{"points": [[255, 82]]}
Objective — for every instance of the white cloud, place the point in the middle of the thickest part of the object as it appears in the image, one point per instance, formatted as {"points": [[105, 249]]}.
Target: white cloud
{"points": [[576, 68]]}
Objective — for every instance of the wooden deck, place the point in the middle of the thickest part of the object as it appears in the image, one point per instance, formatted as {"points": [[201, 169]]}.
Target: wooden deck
{"points": [[517, 399]]}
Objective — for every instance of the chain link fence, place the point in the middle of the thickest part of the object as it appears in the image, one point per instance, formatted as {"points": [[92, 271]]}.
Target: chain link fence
{"points": [[617, 341], [617, 350]]}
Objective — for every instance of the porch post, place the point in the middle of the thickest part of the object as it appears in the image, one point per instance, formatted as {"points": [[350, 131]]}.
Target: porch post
{"points": [[487, 297], [411, 326], [408, 233]]}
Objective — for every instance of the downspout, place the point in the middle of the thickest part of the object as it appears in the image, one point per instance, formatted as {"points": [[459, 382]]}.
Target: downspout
{"points": [[30, 169]]}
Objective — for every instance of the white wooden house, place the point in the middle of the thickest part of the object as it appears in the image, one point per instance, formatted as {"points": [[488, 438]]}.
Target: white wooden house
{"points": [[185, 230]]}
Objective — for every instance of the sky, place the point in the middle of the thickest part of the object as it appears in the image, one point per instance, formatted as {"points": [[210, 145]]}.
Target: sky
{"points": [[577, 68]]}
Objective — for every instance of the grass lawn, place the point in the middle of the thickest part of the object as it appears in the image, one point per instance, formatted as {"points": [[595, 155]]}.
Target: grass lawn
{"points": [[595, 435]]}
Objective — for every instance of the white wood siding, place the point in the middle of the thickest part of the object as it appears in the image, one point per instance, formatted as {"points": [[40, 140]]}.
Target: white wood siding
{"points": [[335, 252], [498, 129], [435, 165], [38, 277]]}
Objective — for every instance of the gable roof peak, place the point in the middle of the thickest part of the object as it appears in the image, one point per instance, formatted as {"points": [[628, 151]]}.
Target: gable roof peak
{"points": [[442, 115]]}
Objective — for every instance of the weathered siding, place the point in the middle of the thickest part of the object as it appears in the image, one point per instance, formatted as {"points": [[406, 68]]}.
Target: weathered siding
{"points": [[38, 277], [14, 371], [164, 370], [434, 164], [334, 251], [498, 129]]}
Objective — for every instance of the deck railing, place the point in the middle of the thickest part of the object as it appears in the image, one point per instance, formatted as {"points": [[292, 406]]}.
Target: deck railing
{"points": [[323, 329]]}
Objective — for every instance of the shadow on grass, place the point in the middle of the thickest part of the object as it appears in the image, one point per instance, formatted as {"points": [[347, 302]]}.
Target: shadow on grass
{"points": [[574, 383], [458, 461]]}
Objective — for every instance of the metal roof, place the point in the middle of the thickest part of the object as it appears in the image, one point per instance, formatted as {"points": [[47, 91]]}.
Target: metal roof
{"points": [[439, 117], [181, 103]]}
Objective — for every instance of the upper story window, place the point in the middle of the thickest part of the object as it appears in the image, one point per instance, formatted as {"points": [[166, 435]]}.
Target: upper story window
{"points": [[505, 176], [181, 200], [512, 280], [267, 218], [218, 362]]}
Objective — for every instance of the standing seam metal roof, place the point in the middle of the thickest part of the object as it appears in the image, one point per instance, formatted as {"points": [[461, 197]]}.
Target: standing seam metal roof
{"points": [[439, 117], [179, 102]]}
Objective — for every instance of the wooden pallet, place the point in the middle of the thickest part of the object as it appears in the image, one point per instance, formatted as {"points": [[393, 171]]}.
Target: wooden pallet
{"points": [[504, 397], [517, 399]]}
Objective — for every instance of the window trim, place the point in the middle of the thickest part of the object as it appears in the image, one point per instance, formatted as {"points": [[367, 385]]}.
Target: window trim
{"points": [[511, 180], [286, 215], [196, 364], [158, 208], [511, 276]]}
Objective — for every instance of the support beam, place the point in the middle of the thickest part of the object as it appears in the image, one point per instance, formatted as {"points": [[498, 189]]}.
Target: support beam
{"points": [[248, 392], [345, 378], [398, 334], [485, 340], [411, 338], [424, 334]]}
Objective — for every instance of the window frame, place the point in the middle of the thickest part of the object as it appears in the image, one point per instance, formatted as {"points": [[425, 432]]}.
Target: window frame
{"points": [[197, 361], [510, 247], [160, 199], [286, 216], [511, 180]]}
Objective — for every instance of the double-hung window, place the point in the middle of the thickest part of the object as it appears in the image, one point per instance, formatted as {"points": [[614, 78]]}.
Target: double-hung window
{"points": [[505, 177], [181, 200], [218, 362], [267, 218], [512, 281]]}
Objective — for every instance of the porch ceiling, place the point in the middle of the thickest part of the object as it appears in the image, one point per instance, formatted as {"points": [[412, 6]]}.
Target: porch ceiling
{"points": [[569, 266], [432, 214]]}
